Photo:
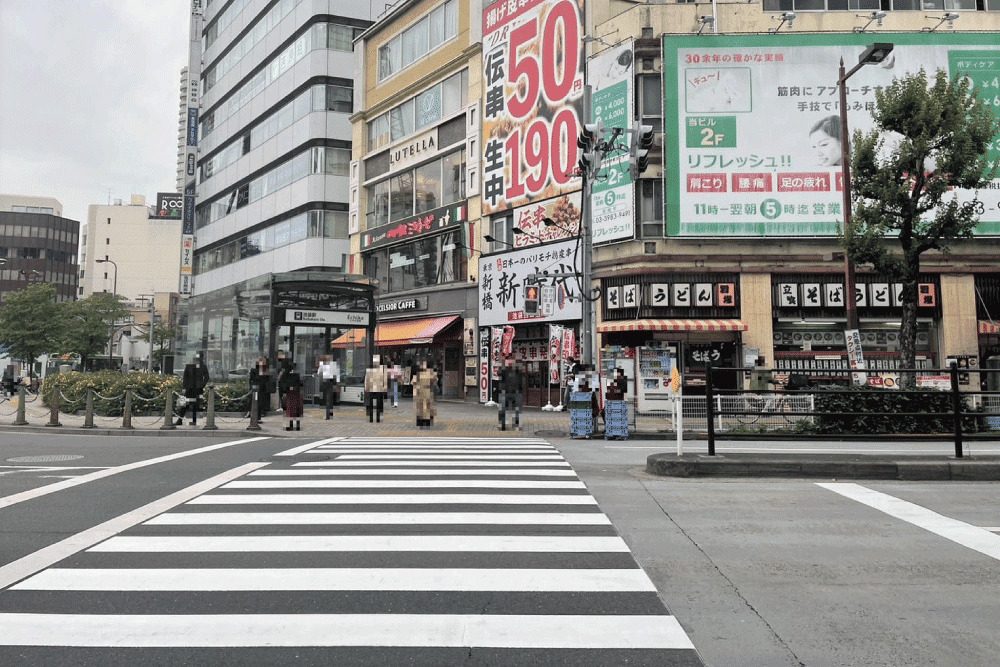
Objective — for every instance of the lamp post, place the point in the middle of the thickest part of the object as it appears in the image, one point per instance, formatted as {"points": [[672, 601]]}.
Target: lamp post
{"points": [[875, 53], [111, 341]]}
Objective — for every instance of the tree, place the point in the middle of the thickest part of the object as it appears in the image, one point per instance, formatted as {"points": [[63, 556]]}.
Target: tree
{"points": [[163, 334], [30, 322], [89, 324], [930, 139]]}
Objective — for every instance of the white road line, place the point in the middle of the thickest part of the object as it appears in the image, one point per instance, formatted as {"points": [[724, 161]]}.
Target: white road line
{"points": [[973, 537], [405, 630], [403, 484], [433, 450], [350, 444], [481, 464], [42, 558], [378, 518], [101, 474], [391, 499], [451, 457], [432, 472], [295, 451], [993, 529], [314, 543], [339, 579]]}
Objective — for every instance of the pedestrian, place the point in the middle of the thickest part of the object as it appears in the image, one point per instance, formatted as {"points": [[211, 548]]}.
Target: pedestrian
{"points": [[395, 377], [262, 383], [511, 388], [573, 367], [8, 380], [292, 403], [424, 383], [328, 373], [376, 383], [282, 366], [194, 383]]}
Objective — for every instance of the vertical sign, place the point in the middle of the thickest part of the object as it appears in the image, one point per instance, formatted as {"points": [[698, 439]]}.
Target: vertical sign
{"points": [[533, 62], [555, 345], [484, 364], [855, 358], [610, 74], [495, 343], [191, 148]]}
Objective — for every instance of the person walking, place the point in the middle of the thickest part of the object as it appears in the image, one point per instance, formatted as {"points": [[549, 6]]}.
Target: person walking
{"points": [[283, 365], [376, 383], [423, 395], [573, 367], [328, 373], [395, 377], [510, 384], [194, 383], [8, 380], [262, 382], [292, 404]]}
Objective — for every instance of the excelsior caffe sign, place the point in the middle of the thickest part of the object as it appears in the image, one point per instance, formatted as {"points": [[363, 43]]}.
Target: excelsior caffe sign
{"points": [[322, 318]]}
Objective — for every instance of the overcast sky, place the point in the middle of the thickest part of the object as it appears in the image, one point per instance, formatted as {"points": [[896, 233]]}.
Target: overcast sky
{"points": [[89, 94]]}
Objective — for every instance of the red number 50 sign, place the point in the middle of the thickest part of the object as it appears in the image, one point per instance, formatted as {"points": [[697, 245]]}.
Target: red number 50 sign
{"points": [[533, 91]]}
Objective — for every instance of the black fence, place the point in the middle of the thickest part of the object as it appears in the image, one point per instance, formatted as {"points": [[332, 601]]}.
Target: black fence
{"points": [[812, 401]]}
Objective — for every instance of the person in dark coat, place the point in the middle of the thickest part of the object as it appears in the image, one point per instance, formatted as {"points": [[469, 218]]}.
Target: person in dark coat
{"points": [[284, 365], [8, 380], [194, 383], [291, 382], [510, 385], [261, 381]]}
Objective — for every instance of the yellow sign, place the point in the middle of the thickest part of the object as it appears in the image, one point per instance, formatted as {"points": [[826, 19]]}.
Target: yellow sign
{"points": [[675, 380]]}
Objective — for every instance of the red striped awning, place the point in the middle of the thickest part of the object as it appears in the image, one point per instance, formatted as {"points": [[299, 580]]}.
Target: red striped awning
{"points": [[672, 325], [398, 333], [989, 327]]}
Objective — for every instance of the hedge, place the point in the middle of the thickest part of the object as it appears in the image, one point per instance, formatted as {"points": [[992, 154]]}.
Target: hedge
{"points": [[861, 402]]}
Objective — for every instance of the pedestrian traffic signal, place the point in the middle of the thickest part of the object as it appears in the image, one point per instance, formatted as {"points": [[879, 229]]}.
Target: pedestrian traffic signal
{"points": [[531, 300]]}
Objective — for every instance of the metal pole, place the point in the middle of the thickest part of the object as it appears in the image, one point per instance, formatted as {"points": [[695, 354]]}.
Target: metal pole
{"points": [[710, 409], [956, 408], [152, 328], [586, 325], [254, 407]]}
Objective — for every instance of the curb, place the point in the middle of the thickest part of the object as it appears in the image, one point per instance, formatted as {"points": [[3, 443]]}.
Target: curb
{"points": [[827, 467]]}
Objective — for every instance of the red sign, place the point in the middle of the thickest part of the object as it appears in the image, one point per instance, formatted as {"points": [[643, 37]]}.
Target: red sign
{"points": [[706, 182], [805, 182], [752, 182]]}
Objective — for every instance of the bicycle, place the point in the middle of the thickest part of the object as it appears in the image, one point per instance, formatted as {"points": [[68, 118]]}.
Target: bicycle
{"points": [[773, 405]]}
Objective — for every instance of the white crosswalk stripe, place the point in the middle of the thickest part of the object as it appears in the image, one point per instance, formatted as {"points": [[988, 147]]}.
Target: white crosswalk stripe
{"points": [[432, 546]]}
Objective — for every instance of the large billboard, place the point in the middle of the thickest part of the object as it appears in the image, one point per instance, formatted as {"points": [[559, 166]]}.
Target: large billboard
{"points": [[612, 204], [168, 205], [533, 59], [503, 278], [751, 125]]}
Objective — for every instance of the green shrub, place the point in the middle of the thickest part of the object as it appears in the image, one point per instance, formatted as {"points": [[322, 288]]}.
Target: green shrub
{"points": [[877, 410]]}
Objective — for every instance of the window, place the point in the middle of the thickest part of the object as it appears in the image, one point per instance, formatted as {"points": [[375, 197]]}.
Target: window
{"points": [[500, 230], [426, 187], [340, 37], [423, 262], [378, 204], [422, 37], [651, 207], [339, 99], [427, 108], [651, 101], [401, 196]]}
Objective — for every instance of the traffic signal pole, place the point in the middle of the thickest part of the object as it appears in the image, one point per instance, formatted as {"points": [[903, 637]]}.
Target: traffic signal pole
{"points": [[588, 325]]}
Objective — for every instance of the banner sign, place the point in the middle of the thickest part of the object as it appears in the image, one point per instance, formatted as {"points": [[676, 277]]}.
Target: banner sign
{"points": [[415, 226], [187, 254], [505, 345], [484, 365], [569, 344], [855, 357], [555, 345], [496, 340], [533, 59], [612, 204], [502, 279], [752, 125], [168, 205], [563, 211], [191, 105]]}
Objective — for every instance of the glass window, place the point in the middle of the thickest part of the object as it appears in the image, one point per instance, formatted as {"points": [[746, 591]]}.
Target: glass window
{"points": [[338, 162], [336, 225], [401, 200], [652, 101], [340, 37], [420, 44], [651, 207], [436, 25], [428, 107], [408, 47], [453, 177], [427, 186], [452, 93], [340, 99], [450, 19], [402, 120], [378, 132], [378, 204]]}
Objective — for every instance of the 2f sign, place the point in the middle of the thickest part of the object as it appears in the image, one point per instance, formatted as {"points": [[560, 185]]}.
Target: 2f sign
{"points": [[711, 131]]}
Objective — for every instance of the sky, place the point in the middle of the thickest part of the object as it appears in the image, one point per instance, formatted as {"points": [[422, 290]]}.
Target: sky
{"points": [[89, 95]]}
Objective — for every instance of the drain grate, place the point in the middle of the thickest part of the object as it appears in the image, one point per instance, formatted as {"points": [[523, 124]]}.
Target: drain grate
{"points": [[45, 458]]}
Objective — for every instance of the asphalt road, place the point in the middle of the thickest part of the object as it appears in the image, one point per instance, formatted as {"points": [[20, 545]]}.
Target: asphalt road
{"points": [[755, 572]]}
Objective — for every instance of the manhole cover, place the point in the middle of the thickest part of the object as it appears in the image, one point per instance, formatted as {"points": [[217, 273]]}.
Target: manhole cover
{"points": [[45, 458]]}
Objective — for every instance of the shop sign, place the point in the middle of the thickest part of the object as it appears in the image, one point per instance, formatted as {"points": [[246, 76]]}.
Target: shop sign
{"points": [[531, 220], [725, 295], [855, 357], [399, 305], [496, 342], [168, 205], [879, 293], [484, 365], [682, 294], [415, 150], [415, 226], [555, 343], [503, 278], [788, 295], [703, 295], [834, 294], [703, 354], [469, 337], [323, 318], [811, 295]]}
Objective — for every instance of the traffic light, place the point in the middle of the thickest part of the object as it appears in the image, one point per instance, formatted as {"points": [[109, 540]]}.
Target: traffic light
{"points": [[590, 150], [642, 141], [531, 300]]}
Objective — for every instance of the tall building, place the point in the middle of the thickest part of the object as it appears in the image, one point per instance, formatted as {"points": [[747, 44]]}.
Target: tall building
{"points": [[131, 249], [37, 244], [274, 152]]}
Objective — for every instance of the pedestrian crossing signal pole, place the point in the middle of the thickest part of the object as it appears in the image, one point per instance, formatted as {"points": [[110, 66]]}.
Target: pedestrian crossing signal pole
{"points": [[592, 149]]}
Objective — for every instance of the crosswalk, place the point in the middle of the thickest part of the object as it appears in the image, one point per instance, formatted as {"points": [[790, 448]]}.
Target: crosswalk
{"points": [[365, 551]]}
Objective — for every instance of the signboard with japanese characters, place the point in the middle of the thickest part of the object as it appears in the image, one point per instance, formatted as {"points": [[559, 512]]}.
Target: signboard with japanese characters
{"points": [[811, 296], [629, 298], [834, 294], [414, 226], [703, 295], [788, 295], [484, 364], [613, 297], [682, 294], [725, 295], [659, 294], [879, 293], [610, 75], [533, 60], [724, 177], [502, 279], [564, 212]]}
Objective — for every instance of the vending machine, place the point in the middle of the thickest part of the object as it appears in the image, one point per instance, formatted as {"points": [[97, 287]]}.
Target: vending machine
{"points": [[655, 364], [618, 356]]}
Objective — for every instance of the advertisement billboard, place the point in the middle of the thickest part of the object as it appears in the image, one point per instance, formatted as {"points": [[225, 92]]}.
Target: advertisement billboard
{"points": [[533, 59], [611, 76], [168, 205], [503, 277], [751, 125]]}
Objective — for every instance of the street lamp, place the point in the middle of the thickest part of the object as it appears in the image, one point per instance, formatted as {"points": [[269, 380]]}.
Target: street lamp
{"points": [[111, 341], [875, 53]]}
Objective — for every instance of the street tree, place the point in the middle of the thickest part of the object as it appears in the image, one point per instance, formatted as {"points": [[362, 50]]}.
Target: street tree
{"points": [[30, 322], [89, 324], [163, 335], [914, 182]]}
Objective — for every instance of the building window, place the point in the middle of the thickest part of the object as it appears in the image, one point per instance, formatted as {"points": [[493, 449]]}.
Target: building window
{"points": [[428, 186], [423, 262], [501, 229], [651, 101], [651, 208], [428, 33], [426, 109]]}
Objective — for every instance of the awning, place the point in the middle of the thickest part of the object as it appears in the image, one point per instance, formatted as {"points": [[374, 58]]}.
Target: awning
{"points": [[989, 327], [398, 333], [672, 325]]}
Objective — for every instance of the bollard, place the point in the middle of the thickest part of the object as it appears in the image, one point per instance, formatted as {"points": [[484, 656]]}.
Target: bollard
{"points": [[54, 411], [210, 412], [709, 407], [956, 408], [88, 416], [20, 421], [254, 420], [168, 412], [127, 411]]}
